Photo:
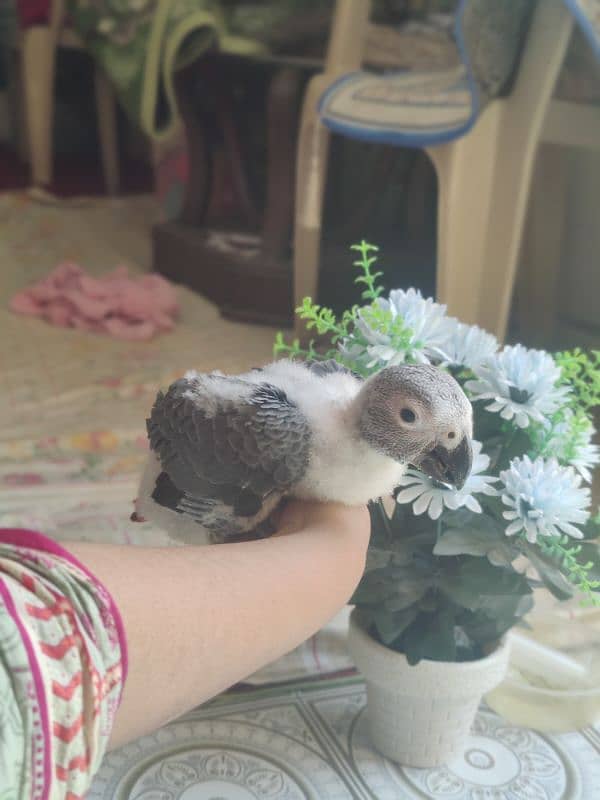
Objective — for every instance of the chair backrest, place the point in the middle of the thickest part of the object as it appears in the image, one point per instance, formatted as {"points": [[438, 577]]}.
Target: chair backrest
{"points": [[587, 16], [346, 37], [490, 36]]}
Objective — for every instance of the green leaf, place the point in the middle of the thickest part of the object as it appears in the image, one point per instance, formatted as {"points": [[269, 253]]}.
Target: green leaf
{"points": [[483, 628], [502, 556], [406, 594], [469, 541], [401, 536], [581, 372], [506, 607], [550, 574], [591, 529], [376, 559], [365, 262], [475, 579], [590, 553], [390, 625], [374, 587], [486, 539], [430, 636], [577, 562]]}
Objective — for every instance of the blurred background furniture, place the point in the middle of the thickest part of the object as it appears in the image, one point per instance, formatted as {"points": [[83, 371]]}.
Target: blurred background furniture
{"points": [[559, 281], [37, 45], [478, 102], [231, 240], [483, 161]]}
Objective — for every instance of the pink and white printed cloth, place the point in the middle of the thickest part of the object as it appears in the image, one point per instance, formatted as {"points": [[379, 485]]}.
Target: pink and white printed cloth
{"points": [[63, 664], [116, 304]]}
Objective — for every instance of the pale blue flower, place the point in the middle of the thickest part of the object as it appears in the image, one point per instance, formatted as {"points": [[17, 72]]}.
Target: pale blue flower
{"points": [[432, 496], [466, 345], [544, 499], [425, 319], [521, 383], [587, 455], [380, 348], [572, 444], [370, 348]]}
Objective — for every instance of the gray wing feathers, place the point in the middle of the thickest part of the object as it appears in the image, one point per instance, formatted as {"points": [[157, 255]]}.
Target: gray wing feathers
{"points": [[330, 367], [213, 443]]}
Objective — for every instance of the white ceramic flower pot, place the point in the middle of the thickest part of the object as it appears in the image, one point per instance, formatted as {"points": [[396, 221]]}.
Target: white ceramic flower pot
{"points": [[420, 716]]}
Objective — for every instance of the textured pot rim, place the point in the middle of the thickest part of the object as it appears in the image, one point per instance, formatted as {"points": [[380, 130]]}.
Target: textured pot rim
{"points": [[498, 654]]}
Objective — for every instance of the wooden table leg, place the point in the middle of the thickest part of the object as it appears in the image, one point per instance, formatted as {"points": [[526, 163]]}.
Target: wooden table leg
{"points": [[199, 147], [282, 128], [248, 275]]}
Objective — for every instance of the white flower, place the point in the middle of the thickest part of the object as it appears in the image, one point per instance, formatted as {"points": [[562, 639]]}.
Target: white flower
{"points": [[587, 455], [544, 498], [467, 345], [380, 349], [521, 384], [425, 319], [573, 445], [431, 496]]}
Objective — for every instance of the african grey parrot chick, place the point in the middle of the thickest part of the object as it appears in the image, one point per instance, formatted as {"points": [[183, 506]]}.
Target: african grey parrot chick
{"points": [[225, 450]]}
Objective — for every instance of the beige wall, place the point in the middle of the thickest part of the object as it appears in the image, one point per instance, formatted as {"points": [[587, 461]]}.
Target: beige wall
{"points": [[578, 308]]}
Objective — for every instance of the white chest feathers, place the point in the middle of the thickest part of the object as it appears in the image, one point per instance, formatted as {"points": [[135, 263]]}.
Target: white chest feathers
{"points": [[342, 467], [345, 469]]}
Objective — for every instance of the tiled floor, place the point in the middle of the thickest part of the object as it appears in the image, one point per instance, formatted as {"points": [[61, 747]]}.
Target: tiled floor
{"points": [[312, 743]]}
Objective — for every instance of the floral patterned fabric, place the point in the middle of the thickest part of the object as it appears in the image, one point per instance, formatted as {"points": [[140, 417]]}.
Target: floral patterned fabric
{"points": [[63, 663]]}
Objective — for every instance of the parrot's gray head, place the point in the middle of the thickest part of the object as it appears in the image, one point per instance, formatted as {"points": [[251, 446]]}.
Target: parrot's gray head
{"points": [[418, 414]]}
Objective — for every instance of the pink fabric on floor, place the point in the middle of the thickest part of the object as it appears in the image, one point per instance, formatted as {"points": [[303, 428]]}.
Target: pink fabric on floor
{"points": [[126, 308]]}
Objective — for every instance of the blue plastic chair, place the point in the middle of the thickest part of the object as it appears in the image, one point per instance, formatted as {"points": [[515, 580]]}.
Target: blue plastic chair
{"points": [[482, 141]]}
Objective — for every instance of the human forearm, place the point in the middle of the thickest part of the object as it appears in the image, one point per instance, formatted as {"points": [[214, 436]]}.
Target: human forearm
{"points": [[198, 619]]}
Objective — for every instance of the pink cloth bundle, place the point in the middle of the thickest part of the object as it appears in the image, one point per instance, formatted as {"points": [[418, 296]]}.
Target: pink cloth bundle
{"points": [[123, 307]]}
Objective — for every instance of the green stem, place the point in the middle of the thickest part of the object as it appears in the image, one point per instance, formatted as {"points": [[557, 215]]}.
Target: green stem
{"points": [[386, 521], [576, 572]]}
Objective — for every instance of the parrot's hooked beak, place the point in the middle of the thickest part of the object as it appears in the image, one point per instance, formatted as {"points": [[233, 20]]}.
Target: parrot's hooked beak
{"points": [[448, 466]]}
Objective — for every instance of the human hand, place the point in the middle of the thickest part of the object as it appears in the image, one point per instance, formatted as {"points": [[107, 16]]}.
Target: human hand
{"points": [[346, 529], [297, 515]]}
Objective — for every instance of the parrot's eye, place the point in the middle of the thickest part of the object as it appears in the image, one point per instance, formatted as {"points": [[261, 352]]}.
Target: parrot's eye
{"points": [[407, 415]]}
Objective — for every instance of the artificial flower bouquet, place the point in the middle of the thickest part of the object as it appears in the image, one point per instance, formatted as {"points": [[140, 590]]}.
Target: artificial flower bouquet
{"points": [[450, 571]]}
